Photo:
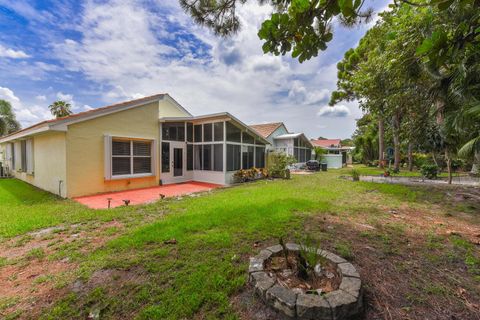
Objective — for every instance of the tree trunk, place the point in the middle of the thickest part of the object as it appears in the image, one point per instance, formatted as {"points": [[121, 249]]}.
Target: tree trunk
{"points": [[476, 163], [396, 142], [381, 142], [434, 157], [449, 166], [410, 156]]}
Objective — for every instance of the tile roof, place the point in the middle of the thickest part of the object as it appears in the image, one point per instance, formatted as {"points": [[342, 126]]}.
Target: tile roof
{"points": [[326, 142], [93, 111], [266, 129]]}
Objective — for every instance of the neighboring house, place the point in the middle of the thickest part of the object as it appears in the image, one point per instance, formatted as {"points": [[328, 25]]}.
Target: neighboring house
{"points": [[134, 144], [337, 156], [294, 144]]}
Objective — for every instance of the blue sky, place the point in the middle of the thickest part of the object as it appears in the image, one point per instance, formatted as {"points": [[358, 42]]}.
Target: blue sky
{"points": [[94, 53]]}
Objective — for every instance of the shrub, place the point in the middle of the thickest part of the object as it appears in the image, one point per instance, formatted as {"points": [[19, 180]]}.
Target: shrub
{"points": [[429, 171], [419, 159], [244, 175], [278, 163], [355, 174]]}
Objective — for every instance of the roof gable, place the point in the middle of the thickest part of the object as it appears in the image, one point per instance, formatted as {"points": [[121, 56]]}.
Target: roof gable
{"points": [[60, 124], [266, 129]]}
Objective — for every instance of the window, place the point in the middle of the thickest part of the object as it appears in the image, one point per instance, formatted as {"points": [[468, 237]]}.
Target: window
{"points": [[131, 157], [233, 133], [23, 154], [218, 131], [207, 157], [207, 132], [189, 132], [198, 157], [189, 157], [247, 157], [260, 157], [198, 133], [218, 157], [248, 138], [233, 157], [165, 157], [173, 131]]}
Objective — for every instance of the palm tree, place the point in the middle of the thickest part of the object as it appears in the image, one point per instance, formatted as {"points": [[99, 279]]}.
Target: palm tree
{"points": [[8, 122], [60, 109]]}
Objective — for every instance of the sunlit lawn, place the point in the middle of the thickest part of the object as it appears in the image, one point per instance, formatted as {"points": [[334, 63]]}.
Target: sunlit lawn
{"points": [[198, 276]]}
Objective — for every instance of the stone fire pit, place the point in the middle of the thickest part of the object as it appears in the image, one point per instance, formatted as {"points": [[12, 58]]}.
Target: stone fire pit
{"points": [[343, 303]]}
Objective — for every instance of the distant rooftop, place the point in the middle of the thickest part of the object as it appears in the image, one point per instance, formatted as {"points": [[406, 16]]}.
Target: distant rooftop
{"points": [[326, 143], [266, 129]]}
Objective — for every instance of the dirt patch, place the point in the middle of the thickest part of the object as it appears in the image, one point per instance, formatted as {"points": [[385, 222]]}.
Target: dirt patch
{"points": [[38, 264], [248, 306], [404, 276]]}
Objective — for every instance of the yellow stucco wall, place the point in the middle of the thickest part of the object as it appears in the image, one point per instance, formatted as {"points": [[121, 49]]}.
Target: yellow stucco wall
{"points": [[85, 149], [166, 108], [49, 163]]}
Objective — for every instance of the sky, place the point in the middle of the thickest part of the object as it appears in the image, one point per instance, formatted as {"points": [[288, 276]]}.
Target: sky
{"points": [[95, 53]]}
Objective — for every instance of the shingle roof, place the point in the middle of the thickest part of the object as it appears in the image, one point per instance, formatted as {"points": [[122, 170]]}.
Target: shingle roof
{"points": [[326, 142], [266, 129], [93, 111]]}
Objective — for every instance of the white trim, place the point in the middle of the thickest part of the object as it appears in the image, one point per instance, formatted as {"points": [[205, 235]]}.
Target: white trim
{"points": [[132, 176]]}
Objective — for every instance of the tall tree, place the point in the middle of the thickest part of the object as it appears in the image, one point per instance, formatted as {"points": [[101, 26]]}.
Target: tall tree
{"points": [[8, 121], [60, 109], [302, 27]]}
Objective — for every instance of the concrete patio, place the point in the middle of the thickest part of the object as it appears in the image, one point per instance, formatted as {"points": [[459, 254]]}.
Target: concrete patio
{"points": [[144, 195]]}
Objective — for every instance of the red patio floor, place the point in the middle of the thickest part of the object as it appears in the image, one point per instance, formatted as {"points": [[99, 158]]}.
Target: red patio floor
{"points": [[144, 195]]}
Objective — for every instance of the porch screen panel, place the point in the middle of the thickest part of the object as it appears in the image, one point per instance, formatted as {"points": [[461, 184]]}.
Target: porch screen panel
{"points": [[218, 131], [173, 131], [260, 157], [247, 155], [165, 157], [189, 132], [233, 157], [197, 129], [218, 157], [207, 132], [189, 157], [247, 138], [233, 133], [198, 157], [207, 157]]}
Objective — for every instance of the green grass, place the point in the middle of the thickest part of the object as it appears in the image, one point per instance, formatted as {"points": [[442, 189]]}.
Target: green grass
{"points": [[215, 233], [375, 171], [25, 208]]}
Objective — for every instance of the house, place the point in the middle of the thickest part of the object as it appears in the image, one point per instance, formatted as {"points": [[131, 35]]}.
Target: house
{"points": [[134, 144], [281, 140], [336, 155]]}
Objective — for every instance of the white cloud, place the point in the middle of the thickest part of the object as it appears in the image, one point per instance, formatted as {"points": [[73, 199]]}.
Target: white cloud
{"points": [[129, 52], [11, 53], [41, 98], [338, 111], [27, 115]]}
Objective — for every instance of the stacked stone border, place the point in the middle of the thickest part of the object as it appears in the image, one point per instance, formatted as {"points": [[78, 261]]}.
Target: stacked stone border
{"points": [[344, 303]]}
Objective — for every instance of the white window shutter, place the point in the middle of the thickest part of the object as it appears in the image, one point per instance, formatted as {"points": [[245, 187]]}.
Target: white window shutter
{"points": [[30, 163], [107, 158]]}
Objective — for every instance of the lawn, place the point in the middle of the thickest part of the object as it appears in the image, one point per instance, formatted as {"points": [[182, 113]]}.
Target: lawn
{"points": [[415, 249], [404, 172]]}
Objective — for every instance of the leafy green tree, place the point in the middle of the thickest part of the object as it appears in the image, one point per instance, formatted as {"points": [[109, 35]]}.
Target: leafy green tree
{"points": [[60, 109], [8, 121], [302, 27]]}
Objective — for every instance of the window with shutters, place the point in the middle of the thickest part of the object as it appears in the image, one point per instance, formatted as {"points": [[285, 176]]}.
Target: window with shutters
{"points": [[131, 157]]}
